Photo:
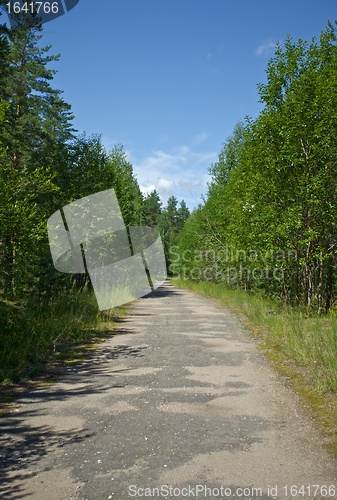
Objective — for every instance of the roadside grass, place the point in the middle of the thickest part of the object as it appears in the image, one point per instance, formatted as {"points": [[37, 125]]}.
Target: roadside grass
{"points": [[301, 347], [34, 335]]}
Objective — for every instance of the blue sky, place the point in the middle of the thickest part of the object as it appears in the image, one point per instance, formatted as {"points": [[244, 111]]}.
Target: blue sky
{"points": [[169, 79]]}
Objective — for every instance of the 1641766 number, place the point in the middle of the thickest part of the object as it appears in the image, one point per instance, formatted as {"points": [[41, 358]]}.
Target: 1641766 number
{"points": [[33, 7], [312, 490]]}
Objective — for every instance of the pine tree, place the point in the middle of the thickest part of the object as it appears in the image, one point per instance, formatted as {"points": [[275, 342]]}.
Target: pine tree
{"points": [[37, 114], [183, 215], [36, 125], [152, 208]]}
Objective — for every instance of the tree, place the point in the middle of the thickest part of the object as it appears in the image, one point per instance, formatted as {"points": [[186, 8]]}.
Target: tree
{"points": [[295, 161], [37, 115], [152, 207], [126, 186], [92, 168], [37, 124], [183, 215], [171, 221], [229, 157], [168, 221]]}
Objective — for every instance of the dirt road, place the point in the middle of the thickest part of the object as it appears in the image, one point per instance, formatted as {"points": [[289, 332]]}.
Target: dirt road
{"points": [[178, 404]]}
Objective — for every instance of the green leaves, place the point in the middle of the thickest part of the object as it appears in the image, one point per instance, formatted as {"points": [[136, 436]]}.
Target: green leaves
{"points": [[274, 187]]}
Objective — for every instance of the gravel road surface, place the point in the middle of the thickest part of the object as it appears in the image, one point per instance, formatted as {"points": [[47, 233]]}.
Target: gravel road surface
{"points": [[179, 403]]}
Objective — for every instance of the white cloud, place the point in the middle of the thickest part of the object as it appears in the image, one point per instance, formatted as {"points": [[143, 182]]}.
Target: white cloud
{"points": [[181, 172], [266, 49], [128, 155], [147, 189], [165, 185]]}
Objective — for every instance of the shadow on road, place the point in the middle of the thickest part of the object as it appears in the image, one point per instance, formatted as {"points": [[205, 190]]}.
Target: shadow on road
{"points": [[163, 291], [24, 441], [23, 444]]}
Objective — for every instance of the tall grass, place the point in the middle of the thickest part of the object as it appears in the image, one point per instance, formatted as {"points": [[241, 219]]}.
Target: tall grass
{"points": [[308, 343], [31, 333]]}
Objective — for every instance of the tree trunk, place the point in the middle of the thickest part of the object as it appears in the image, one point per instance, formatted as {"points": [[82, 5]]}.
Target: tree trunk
{"points": [[9, 259]]}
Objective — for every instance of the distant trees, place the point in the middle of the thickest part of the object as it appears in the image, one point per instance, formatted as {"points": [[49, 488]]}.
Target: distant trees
{"points": [[271, 211], [169, 219], [152, 209]]}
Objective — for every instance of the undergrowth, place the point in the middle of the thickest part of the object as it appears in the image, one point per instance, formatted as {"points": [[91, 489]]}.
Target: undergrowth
{"points": [[31, 334]]}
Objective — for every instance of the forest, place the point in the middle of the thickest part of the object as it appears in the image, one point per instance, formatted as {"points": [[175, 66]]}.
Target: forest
{"points": [[268, 223], [44, 165]]}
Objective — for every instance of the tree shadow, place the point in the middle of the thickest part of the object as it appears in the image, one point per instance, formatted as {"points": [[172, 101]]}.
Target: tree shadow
{"points": [[166, 290], [23, 445]]}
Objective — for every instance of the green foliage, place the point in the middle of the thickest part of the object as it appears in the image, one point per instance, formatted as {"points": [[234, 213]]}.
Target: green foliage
{"points": [[170, 222], [36, 126], [152, 209], [229, 157], [270, 216], [90, 168], [31, 334], [22, 221], [37, 115]]}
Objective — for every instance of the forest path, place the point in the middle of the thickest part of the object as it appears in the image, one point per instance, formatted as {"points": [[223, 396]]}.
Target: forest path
{"points": [[179, 397]]}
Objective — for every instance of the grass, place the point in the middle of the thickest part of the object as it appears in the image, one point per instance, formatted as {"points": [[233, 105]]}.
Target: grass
{"points": [[37, 341], [33, 335], [300, 346]]}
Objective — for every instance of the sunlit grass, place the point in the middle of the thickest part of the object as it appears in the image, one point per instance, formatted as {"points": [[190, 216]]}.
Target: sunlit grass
{"points": [[33, 334], [308, 341]]}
